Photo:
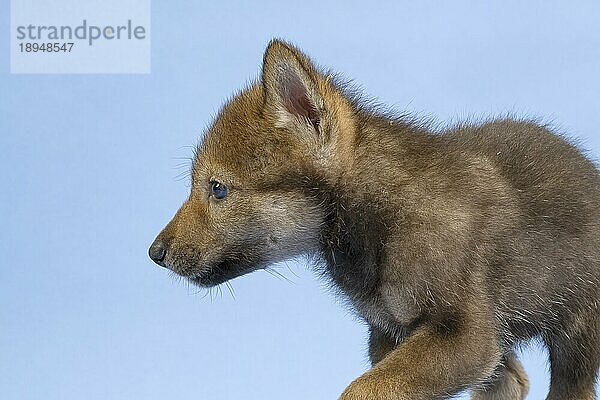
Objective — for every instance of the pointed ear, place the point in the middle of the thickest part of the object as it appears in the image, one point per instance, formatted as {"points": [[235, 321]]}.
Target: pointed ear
{"points": [[290, 83]]}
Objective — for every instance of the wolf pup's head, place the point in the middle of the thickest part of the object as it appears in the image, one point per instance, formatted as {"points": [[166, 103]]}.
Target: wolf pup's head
{"points": [[259, 174]]}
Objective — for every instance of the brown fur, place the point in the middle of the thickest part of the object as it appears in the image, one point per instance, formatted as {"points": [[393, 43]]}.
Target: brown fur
{"points": [[454, 247]]}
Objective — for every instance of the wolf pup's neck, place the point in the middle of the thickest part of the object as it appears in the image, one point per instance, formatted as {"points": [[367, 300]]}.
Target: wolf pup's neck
{"points": [[354, 235]]}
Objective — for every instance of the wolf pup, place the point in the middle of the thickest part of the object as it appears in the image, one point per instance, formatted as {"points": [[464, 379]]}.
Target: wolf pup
{"points": [[454, 247]]}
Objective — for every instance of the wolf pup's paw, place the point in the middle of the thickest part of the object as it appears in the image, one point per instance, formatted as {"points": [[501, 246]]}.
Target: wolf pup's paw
{"points": [[358, 391], [371, 388]]}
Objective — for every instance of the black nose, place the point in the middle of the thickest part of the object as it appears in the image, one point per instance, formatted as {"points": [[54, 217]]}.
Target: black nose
{"points": [[157, 252]]}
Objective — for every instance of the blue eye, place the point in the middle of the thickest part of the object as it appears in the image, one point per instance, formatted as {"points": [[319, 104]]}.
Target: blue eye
{"points": [[218, 190]]}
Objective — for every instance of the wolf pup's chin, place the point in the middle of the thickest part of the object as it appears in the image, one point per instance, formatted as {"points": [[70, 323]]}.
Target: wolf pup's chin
{"points": [[219, 273]]}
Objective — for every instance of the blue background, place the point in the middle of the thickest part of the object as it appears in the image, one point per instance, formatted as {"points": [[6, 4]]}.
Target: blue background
{"points": [[89, 176]]}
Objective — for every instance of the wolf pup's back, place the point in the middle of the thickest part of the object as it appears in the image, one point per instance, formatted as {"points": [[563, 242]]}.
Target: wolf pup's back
{"points": [[549, 270], [454, 247]]}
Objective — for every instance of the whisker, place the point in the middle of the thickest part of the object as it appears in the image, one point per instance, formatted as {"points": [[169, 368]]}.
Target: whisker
{"points": [[291, 270], [278, 274], [183, 175], [206, 292], [230, 287]]}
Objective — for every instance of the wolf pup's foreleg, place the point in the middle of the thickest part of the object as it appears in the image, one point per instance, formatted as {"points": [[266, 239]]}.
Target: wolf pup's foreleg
{"points": [[508, 383], [432, 363]]}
